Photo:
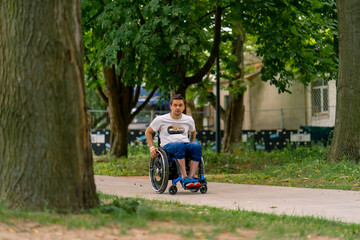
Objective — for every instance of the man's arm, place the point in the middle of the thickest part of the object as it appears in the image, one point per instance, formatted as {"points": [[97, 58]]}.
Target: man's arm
{"points": [[193, 136], [148, 134]]}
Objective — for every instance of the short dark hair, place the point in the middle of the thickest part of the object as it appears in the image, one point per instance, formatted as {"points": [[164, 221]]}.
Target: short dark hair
{"points": [[177, 97]]}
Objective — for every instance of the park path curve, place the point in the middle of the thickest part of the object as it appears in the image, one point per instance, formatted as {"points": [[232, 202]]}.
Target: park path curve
{"points": [[329, 204]]}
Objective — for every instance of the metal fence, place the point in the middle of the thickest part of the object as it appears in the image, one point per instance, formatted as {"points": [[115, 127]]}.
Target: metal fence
{"points": [[266, 140], [261, 119]]}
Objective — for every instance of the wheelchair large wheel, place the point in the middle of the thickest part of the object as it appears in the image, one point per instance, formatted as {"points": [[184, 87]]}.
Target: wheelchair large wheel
{"points": [[159, 171]]}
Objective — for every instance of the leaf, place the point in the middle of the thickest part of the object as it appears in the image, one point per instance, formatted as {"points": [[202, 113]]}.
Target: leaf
{"points": [[154, 4]]}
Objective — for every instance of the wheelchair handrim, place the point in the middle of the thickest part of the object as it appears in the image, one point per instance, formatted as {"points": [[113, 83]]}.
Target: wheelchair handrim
{"points": [[158, 185]]}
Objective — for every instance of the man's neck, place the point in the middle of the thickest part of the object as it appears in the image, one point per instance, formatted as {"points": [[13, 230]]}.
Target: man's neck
{"points": [[175, 117]]}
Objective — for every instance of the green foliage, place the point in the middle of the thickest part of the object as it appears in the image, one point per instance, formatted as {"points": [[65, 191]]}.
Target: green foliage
{"points": [[202, 92], [93, 100], [152, 37], [296, 40]]}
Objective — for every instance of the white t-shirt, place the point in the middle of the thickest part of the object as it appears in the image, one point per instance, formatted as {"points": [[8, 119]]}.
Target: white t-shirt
{"points": [[173, 130]]}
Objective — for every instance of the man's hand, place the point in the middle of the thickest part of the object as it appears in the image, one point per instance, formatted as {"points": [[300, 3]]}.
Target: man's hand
{"points": [[153, 152], [148, 134]]}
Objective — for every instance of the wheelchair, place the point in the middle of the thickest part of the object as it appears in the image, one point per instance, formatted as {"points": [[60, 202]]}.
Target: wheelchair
{"points": [[164, 168]]}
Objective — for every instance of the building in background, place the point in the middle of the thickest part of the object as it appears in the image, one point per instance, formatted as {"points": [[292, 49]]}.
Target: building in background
{"points": [[266, 108]]}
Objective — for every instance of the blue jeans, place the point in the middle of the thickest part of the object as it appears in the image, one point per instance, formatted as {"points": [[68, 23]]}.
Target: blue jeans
{"points": [[180, 149]]}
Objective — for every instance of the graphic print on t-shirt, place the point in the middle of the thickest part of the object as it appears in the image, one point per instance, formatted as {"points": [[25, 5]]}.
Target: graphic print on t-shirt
{"points": [[176, 129]]}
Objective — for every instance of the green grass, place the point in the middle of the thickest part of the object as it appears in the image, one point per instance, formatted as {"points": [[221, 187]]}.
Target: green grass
{"points": [[137, 164], [301, 167], [193, 221], [132, 166]]}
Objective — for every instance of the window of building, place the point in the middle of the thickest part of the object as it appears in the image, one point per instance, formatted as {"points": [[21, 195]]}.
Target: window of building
{"points": [[320, 100], [207, 110], [227, 101]]}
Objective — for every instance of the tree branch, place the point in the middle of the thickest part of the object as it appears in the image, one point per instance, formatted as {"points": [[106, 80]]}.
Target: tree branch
{"points": [[209, 13], [214, 52], [136, 96], [105, 124], [102, 95], [142, 20], [143, 104], [98, 120]]}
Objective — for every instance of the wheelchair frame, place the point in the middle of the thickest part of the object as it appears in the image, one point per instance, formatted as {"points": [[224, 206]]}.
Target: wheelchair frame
{"points": [[162, 169]]}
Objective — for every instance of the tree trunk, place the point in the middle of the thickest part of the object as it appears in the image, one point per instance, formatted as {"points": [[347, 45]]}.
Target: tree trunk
{"points": [[235, 112], [346, 141], [120, 100], [119, 108], [234, 122], [45, 151], [119, 140]]}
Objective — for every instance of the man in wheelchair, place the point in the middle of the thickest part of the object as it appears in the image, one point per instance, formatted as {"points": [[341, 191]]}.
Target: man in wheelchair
{"points": [[174, 129]]}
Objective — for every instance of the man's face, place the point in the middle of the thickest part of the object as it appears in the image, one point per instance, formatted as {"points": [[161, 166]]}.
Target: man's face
{"points": [[177, 107]]}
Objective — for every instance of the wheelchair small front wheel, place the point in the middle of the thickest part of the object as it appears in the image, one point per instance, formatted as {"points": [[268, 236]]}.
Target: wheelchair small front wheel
{"points": [[203, 189], [173, 189]]}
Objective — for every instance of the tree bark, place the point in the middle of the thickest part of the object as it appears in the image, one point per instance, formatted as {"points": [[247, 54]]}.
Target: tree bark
{"points": [[235, 112], [45, 151], [119, 109], [346, 141], [234, 122]]}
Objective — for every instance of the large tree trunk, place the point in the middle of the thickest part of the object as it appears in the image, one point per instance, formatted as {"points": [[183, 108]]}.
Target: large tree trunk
{"points": [[235, 112], [45, 151], [346, 140]]}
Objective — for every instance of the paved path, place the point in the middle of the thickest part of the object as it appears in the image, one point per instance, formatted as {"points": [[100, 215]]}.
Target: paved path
{"points": [[330, 204]]}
